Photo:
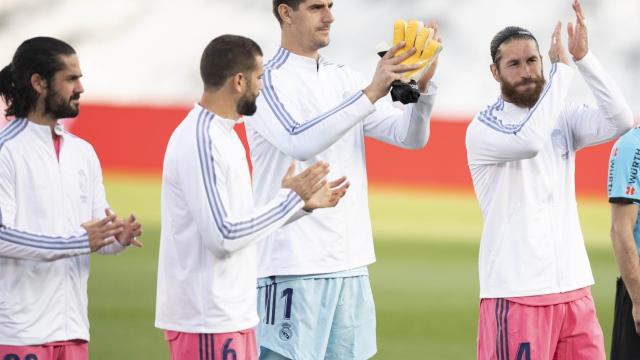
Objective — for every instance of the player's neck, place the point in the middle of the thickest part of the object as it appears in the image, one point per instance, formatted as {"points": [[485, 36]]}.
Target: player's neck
{"points": [[299, 48], [220, 104], [40, 118]]}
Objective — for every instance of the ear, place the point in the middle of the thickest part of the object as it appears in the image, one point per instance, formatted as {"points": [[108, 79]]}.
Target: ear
{"points": [[238, 82], [39, 84], [495, 72], [285, 11]]}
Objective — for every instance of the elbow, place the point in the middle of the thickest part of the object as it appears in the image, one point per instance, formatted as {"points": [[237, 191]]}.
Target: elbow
{"points": [[630, 122], [419, 143], [614, 234], [300, 153], [412, 142], [220, 251], [625, 121]]}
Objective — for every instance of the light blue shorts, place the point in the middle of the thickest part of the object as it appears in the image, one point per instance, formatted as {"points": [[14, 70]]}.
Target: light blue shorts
{"points": [[317, 316]]}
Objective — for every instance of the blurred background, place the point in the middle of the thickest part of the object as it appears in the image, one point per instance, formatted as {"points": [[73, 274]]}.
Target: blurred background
{"points": [[140, 62]]}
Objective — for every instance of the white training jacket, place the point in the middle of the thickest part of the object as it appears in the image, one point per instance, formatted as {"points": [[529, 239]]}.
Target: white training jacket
{"points": [[207, 266], [44, 261], [313, 110], [523, 166]]}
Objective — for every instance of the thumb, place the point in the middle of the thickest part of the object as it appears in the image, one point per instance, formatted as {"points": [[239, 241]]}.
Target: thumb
{"points": [[290, 170]]}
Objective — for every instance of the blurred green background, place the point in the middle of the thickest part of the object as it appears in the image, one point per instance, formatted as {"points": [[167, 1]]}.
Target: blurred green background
{"points": [[425, 280]]}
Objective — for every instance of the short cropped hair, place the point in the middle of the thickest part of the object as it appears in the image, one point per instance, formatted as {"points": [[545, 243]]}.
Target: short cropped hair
{"points": [[226, 56], [294, 4]]}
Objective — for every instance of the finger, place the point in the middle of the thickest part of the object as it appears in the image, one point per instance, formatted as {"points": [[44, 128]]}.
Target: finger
{"points": [[306, 173], [555, 38], [578, 9], [315, 172], [318, 166], [337, 182], [340, 194], [342, 188], [290, 170], [111, 233], [394, 49], [570, 30], [317, 175], [434, 26], [424, 35], [132, 218], [317, 186], [106, 220], [108, 212], [109, 227], [137, 243], [413, 27], [399, 27], [403, 68], [402, 57]]}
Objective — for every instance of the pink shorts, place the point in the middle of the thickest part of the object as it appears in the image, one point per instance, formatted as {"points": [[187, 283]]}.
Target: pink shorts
{"points": [[511, 331], [239, 345], [61, 350]]}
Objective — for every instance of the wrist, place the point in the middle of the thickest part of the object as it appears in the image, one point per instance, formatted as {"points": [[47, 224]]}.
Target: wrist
{"points": [[371, 94], [579, 57]]}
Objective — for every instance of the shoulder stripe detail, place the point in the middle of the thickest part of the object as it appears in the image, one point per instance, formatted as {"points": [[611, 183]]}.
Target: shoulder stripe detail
{"points": [[278, 60], [231, 230], [488, 118], [291, 125], [12, 130]]}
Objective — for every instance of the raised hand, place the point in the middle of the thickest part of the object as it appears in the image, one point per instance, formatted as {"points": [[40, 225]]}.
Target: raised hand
{"points": [[428, 75], [557, 53], [131, 229], [101, 232], [388, 70], [329, 195], [307, 182], [578, 39]]}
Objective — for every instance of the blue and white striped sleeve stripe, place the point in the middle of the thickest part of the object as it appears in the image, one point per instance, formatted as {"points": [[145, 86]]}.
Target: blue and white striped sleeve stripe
{"points": [[488, 118], [43, 242], [287, 121], [22, 238], [232, 230]]}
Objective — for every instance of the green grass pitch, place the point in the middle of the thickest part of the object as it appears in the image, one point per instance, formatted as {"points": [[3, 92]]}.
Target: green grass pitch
{"points": [[425, 280]]}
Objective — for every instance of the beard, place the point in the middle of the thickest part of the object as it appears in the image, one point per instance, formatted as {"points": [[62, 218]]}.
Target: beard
{"points": [[526, 98], [247, 104], [59, 107]]}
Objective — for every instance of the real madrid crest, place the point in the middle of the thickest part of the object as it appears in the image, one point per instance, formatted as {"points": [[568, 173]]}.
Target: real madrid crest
{"points": [[285, 332]]}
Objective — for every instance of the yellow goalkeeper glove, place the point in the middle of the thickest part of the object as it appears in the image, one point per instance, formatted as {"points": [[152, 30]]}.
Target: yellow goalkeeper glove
{"points": [[415, 34]]}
